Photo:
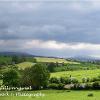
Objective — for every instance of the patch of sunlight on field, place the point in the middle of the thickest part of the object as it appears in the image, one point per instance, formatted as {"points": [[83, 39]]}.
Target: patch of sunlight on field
{"points": [[77, 74], [1, 82], [25, 65], [54, 60]]}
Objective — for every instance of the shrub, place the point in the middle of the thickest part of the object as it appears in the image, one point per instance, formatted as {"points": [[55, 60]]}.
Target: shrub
{"points": [[96, 85], [90, 95], [67, 80], [88, 79], [63, 80], [56, 86], [53, 86], [70, 80], [74, 80], [88, 86], [61, 86], [51, 67], [1, 76], [54, 80], [85, 80], [95, 79]]}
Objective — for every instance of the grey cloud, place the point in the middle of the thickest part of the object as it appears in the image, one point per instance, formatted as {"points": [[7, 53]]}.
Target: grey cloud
{"points": [[67, 21], [54, 21]]}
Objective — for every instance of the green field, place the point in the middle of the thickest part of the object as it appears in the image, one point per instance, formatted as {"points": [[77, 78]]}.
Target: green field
{"points": [[1, 82], [25, 65], [55, 95], [77, 74], [54, 60], [4, 59]]}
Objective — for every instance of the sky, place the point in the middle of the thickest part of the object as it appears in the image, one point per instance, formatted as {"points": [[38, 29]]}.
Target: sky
{"points": [[61, 28]]}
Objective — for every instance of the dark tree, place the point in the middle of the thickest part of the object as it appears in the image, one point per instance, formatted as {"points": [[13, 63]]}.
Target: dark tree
{"points": [[15, 59], [37, 76], [11, 78], [51, 67]]}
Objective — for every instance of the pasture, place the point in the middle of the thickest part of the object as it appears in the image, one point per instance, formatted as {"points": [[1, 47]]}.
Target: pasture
{"points": [[54, 60], [77, 74], [54, 95], [25, 65]]}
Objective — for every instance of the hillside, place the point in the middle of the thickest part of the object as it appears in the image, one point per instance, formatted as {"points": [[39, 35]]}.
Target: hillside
{"points": [[25, 65], [77, 74], [54, 60]]}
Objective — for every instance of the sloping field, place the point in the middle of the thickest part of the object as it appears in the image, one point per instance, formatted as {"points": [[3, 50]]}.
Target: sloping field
{"points": [[25, 65], [20, 66], [54, 60], [1, 82], [77, 74]]}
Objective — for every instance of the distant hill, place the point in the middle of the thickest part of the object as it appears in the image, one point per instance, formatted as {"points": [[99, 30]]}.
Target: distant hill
{"points": [[14, 54], [23, 54], [85, 58], [76, 58]]}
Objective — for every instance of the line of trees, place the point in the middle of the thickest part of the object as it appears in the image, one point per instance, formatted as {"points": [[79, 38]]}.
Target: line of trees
{"points": [[9, 60], [73, 83]]}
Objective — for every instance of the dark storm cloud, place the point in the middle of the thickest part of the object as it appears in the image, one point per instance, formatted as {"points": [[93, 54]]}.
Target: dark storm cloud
{"points": [[65, 22], [22, 21]]}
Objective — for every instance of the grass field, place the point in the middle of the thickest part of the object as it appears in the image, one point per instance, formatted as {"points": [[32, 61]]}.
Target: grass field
{"points": [[55, 95], [25, 65], [20, 66], [77, 74], [54, 60], [1, 82]]}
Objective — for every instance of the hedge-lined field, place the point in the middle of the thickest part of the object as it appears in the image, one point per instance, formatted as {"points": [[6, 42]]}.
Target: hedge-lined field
{"points": [[57, 95], [54, 60], [77, 74]]}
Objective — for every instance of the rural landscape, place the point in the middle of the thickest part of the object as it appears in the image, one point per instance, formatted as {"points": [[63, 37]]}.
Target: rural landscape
{"points": [[49, 49], [56, 78]]}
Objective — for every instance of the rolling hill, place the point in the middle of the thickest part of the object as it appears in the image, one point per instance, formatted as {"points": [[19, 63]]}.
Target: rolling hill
{"points": [[25, 65], [54, 60]]}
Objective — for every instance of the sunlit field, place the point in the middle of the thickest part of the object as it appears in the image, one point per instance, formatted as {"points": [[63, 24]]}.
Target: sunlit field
{"points": [[55, 95], [25, 65], [54, 60], [77, 74]]}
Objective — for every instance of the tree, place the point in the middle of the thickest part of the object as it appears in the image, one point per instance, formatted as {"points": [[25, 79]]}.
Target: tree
{"points": [[11, 78], [51, 67], [15, 59], [22, 59], [18, 59], [37, 76], [96, 85]]}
